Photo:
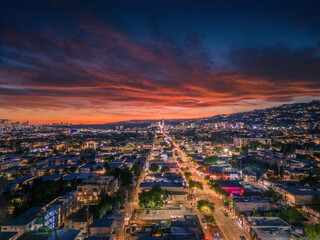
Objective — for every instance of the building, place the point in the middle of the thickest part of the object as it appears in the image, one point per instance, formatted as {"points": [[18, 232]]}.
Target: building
{"points": [[66, 234], [240, 142], [80, 220], [89, 190], [248, 204], [30, 220], [169, 186], [231, 186], [59, 209], [268, 228], [300, 194], [102, 226]]}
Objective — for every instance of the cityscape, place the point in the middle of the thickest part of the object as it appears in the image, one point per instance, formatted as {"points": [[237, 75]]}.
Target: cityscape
{"points": [[159, 120]]}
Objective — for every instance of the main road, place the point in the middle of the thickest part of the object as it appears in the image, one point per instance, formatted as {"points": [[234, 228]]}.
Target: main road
{"points": [[230, 228]]}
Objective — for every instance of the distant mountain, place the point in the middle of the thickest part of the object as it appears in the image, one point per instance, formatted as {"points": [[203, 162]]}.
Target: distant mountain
{"points": [[284, 115]]}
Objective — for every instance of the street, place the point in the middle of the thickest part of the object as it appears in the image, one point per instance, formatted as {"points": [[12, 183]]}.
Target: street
{"points": [[230, 228]]}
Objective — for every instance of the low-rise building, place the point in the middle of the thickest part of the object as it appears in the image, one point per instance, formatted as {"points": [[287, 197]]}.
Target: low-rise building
{"points": [[102, 227], [30, 220], [59, 209], [300, 194], [268, 228], [248, 204], [80, 220], [89, 190]]}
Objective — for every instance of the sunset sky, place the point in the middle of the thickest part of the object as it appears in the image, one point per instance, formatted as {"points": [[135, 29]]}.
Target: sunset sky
{"points": [[104, 61]]}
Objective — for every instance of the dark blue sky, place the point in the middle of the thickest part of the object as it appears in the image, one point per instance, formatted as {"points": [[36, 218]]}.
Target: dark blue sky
{"points": [[61, 60]]}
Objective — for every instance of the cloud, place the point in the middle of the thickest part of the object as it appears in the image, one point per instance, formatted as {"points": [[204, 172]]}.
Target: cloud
{"points": [[95, 68]]}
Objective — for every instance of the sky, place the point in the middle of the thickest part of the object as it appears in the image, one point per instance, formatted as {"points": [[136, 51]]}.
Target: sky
{"points": [[105, 61]]}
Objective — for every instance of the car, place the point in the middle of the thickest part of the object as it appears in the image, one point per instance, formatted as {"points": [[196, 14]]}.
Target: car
{"points": [[242, 238], [225, 213]]}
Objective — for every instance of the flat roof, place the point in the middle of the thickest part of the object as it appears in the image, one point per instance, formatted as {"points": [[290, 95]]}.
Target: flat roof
{"points": [[161, 184], [267, 222], [26, 217], [275, 233], [102, 222], [228, 183]]}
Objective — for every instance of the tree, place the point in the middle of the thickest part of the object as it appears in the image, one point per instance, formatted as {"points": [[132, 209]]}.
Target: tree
{"points": [[155, 198], [195, 185], [104, 204], [281, 171], [188, 175], [154, 167], [310, 180], [211, 160], [136, 169], [219, 190], [165, 169], [288, 149], [47, 172], [218, 149], [125, 177], [205, 206], [274, 195], [254, 145], [316, 200], [226, 201], [275, 169], [313, 232], [106, 167], [291, 215], [243, 150], [73, 169], [109, 159]]}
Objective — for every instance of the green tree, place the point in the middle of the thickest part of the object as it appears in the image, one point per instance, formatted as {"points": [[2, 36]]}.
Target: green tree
{"points": [[274, 195], [104, 204], [205, 206], [226, 201], [136, 169], [47, 172], [281, 171], [188, 175], [73, 169], [291, 215], [243, 150], [106, 167], [275, 169], [313, 232], [218, 149], [154, 198], [211, 160], [195, 185], [254, 145], [109, 159], [316, 200], [165, 169], [219, 190], [154, 167], [125, 177]]}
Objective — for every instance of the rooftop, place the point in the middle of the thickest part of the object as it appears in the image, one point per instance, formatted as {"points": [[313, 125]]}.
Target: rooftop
{"points": [[102, 222], [267, 222], [26, 217]]}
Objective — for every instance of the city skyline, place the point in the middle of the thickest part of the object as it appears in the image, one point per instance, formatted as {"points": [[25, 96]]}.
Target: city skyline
{"points": [[100, 62]]}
